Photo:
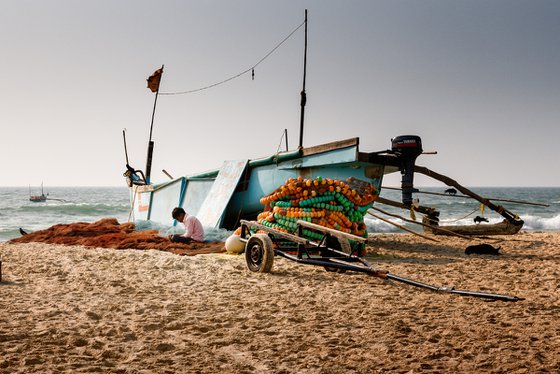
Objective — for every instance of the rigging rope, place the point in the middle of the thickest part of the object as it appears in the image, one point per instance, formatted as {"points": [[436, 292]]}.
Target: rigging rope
{"points": [[458, 219], [251, 69]]}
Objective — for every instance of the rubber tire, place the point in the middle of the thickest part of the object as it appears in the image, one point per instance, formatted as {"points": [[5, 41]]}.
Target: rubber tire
{"points": [[259, 253]]}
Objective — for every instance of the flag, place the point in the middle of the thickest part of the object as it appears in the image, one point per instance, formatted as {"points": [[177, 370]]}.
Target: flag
{"points": [[153, 80]]}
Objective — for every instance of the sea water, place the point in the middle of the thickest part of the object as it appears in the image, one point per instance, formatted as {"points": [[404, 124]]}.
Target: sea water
{"points": [[461, 210], [90, 204], [63, 205]]}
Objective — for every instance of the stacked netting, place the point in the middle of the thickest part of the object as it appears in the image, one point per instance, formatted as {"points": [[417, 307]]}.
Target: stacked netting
{"points": [[333, 203]]}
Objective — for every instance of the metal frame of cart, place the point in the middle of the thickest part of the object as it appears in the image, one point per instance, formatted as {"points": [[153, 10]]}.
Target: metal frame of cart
{"points": [[261, 247]]}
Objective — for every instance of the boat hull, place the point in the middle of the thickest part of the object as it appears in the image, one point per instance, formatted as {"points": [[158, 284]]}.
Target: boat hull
{"points": [[501, 228], [258, 178]]}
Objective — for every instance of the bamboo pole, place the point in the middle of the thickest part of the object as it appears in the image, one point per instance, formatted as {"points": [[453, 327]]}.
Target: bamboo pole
{"points": [[511, 217], [421, 223], [468, 197], [402, 227], [303, 94]]}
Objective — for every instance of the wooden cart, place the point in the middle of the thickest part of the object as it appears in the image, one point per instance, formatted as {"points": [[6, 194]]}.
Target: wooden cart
{"points": [[336, 251]]}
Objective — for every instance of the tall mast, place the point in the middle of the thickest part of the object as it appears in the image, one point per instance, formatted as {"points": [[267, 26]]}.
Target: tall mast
{"points": [[303, 95], [153, 86]]}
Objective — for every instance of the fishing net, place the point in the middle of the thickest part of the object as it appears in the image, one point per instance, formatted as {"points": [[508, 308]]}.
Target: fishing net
{"points": [[336, 204]]}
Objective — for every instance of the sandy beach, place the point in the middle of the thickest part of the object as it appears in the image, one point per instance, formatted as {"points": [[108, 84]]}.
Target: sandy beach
{"points": [[84, 310]]}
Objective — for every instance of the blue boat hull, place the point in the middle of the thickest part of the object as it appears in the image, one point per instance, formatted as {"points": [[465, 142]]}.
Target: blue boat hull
{"points": [[240, 198]]}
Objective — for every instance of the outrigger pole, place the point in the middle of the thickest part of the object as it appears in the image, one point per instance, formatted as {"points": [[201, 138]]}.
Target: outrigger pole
{"points": [[153, 85], [303, 95], [509, 216]]}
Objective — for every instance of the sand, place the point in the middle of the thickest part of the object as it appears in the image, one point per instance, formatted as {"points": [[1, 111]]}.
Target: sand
{"points": [[84, 310]]}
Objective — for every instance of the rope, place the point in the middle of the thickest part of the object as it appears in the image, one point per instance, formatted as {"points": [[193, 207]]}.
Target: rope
{"points": [[251, 69], [458, 219], [280, 144], [131, 212]]}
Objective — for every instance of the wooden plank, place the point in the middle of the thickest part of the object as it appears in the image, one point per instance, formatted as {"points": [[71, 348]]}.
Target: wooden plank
{"points": [[290, 237], [331, 231], [330, 146]]}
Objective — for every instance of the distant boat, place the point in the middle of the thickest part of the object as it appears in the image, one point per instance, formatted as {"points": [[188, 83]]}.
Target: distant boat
{"points": [[37, 198]]}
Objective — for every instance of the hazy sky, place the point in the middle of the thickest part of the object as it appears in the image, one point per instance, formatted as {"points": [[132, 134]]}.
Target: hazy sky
{"points": [[479, 81]]}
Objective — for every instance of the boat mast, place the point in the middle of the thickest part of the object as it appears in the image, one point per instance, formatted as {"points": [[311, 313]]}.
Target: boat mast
{"points": [[303, 95], [157, 79]]}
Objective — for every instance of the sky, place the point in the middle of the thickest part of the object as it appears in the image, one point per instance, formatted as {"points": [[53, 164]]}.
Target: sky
{"points": [[478, 81]]}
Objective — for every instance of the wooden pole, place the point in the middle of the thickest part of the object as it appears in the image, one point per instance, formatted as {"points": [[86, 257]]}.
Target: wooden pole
{"points": [[421, 223], [303, 94], [150, 142], [402, 227], [512, 218], [125, 150], [166, 173], [468, 197]]}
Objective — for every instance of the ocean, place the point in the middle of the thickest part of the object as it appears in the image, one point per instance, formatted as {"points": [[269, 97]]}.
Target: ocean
{"points": [[459, 210], [90, 204], [64, 205]]}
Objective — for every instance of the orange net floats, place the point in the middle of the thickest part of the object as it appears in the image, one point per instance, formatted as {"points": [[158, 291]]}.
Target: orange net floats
{"points": [[332, 203]]}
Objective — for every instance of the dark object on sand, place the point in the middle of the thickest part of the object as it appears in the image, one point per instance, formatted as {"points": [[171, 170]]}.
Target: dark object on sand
{"points": [[482, 249], [22, 232], [451, 191], [479, 219]]}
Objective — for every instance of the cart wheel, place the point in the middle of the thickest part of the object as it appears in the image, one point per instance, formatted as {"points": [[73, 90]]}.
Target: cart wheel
{"points": [[259, 253]]}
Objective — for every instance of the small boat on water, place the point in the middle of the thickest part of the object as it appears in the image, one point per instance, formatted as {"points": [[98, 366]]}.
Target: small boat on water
{"points": [[38, 198]]}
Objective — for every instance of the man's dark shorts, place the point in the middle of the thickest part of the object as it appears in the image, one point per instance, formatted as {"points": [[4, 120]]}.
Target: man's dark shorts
{"points": [[181, 239]]}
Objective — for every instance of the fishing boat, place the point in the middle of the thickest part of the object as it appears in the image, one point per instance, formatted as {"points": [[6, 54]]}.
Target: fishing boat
{"points": [[501, 228], [37, 198], [226, 195]]}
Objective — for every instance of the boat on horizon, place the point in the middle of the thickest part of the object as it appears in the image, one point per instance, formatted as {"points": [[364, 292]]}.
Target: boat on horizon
{"points": [[38, 198]]}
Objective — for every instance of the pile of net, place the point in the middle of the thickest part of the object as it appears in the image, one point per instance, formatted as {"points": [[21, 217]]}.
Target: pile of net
{"points": [[109, 233], [332, 203]]}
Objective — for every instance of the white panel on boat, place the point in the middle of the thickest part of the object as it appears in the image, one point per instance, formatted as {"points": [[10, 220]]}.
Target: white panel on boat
{"points": [[213, 207], [140, 197], [195, 194], [164, 200]]}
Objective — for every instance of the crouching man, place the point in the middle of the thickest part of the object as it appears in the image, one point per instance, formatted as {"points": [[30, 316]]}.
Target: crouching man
{"points": [[193, 228]]}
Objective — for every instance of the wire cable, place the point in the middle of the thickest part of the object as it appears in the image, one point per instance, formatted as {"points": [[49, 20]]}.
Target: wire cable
{"points": [[251, 69]]}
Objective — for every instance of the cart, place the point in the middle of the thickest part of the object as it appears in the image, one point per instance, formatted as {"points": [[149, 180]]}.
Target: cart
{"points": [[336, 251]]}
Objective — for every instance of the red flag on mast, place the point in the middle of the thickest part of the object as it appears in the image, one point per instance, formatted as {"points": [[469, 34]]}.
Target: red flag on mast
{"points": [[154, 79]]}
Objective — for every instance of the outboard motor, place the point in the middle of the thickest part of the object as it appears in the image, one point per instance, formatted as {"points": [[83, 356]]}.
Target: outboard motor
{"points": [[407, 148]]}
